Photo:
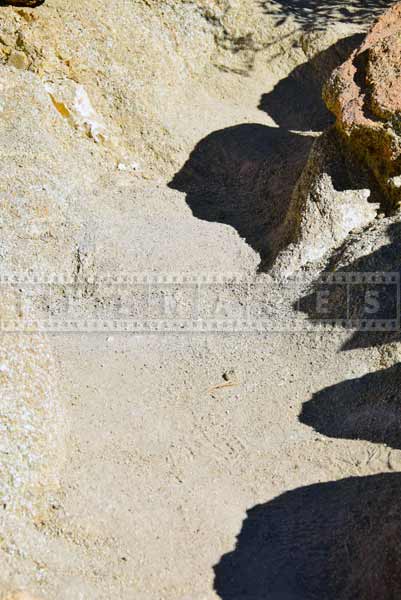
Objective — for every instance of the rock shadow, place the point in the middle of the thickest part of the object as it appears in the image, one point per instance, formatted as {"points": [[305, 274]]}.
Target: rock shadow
{"points": [[320, 14], [244, 175], [296, 102], [354, 302], [336, 540], [365, 408], [329, 541]]}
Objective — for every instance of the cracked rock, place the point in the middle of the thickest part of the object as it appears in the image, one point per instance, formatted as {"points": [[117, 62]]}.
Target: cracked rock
{"points": [[364, 94]]}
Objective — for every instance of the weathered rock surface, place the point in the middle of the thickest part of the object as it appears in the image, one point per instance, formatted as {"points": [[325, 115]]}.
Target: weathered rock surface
{"points": [[88, 92], [365, 95], [192, 42], [327, 203], [30, 416]]}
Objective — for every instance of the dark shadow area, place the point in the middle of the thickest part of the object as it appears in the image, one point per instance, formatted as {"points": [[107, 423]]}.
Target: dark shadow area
{"points": [[22, 4], [296, 102], [244, 175], [387, 258], [365, 408], [319, 14], [337, 540], [330, 541], [363, 302]]}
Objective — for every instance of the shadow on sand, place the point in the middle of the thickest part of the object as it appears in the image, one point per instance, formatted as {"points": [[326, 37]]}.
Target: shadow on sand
{"points": [[319, 14], [244, 175], [329, 541], [22, 4], [365, 408], [338, 540], [343, 302]]}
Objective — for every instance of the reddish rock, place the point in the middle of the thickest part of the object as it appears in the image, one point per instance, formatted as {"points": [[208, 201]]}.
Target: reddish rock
{"points": [[364, 93]]}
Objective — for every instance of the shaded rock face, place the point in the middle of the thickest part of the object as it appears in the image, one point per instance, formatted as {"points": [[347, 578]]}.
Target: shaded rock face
{"points": [[364, 93], [332, 197], [377, 250]]}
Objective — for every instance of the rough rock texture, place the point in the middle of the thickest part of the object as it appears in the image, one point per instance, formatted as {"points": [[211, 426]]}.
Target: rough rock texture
{"points": [[378, 249], [365, 95], [374, 250], [72, 48], [100, 105], [32, 442], [327, 203], [31, 447], [98, 125]]}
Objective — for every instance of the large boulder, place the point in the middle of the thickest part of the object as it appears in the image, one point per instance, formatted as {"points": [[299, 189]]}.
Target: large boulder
{"points": [[364, 93]]}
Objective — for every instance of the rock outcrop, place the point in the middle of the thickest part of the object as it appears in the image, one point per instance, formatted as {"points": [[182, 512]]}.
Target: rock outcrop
{"points": [[30, 415], [364, 93], [331, 199]]}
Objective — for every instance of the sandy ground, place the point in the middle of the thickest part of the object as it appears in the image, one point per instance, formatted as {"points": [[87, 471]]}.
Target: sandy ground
{"points": [[171, 438], [163, 462], [161, 470]]}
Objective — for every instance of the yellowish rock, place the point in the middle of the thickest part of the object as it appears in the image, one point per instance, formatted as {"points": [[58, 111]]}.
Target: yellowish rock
{"points": [[18, 59]]}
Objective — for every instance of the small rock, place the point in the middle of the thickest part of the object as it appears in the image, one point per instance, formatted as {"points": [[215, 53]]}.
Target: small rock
{"points": [[132, 166], [18, 59], [229, 375], [321, 217]]}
